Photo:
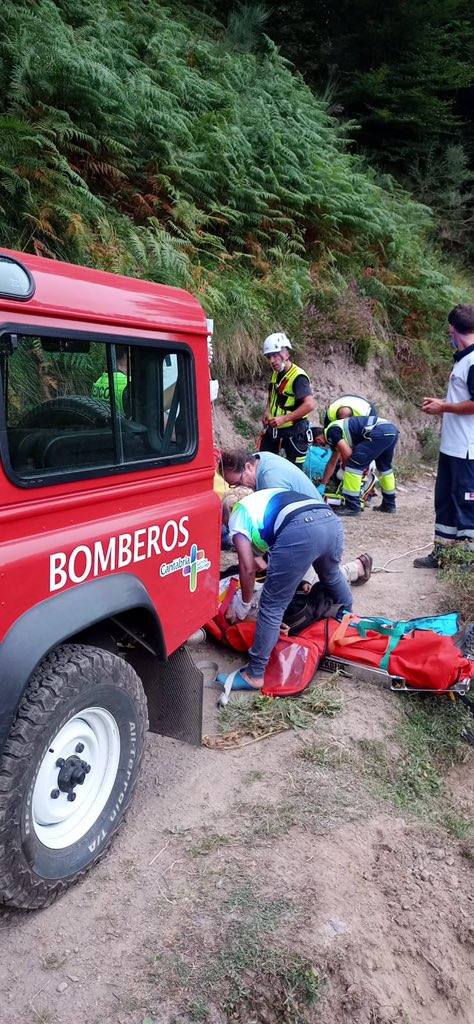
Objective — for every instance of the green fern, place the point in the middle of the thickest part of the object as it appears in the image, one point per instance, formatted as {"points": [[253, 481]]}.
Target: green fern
{"points": [[157, 143]]}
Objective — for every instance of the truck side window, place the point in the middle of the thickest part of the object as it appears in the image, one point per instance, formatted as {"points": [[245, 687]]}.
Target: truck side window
{"points": [[75, 407]]}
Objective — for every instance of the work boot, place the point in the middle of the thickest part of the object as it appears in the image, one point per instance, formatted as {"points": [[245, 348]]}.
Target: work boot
{"points": [[343, 510], [384, 508], [430, 561], [367, 562]]}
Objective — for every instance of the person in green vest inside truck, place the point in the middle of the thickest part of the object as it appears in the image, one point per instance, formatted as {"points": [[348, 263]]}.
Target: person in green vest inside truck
{"points": [[100, 389], [358, 440], [290, 402]]}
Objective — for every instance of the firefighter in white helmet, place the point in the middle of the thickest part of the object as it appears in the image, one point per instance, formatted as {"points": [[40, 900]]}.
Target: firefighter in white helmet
{"points": [[290, 402]]}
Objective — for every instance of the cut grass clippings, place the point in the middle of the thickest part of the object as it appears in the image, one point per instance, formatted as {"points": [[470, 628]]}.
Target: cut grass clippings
{"points": [[208, 844], [330, 757], [258, 717]]}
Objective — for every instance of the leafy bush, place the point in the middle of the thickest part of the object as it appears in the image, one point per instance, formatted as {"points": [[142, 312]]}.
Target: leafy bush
{"points": [[429, 443], [152, 143]]}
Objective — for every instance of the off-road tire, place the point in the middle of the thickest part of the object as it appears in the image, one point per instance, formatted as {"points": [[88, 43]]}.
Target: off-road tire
{"points": [[68, 411], [69, 679]]}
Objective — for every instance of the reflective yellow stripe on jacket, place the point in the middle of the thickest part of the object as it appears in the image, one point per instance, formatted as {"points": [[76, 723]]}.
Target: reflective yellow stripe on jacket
{"points": [[359, 406], [282, 399], [346, 434]]}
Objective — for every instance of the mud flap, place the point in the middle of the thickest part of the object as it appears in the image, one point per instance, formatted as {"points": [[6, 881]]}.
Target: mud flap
{"points": [[175, 701]]}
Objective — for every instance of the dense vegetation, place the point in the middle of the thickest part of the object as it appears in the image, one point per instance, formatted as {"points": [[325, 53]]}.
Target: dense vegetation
{"points": [[148, 141], [404, 71]]}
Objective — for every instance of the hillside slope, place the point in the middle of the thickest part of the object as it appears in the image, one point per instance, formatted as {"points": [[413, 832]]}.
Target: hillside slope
{"points": [[141, 141], [237, 412]]}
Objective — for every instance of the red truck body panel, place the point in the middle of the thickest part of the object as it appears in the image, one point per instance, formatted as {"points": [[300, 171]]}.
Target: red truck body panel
{"points": [[68, 292], [161, 524]]}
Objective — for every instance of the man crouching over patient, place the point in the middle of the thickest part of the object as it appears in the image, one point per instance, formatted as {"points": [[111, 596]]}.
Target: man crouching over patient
{"points": [[295, 530]]}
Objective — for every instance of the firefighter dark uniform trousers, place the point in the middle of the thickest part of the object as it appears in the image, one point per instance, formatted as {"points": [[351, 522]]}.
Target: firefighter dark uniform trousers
{"points": [[372, 439], [454, 491], [287, 390]]}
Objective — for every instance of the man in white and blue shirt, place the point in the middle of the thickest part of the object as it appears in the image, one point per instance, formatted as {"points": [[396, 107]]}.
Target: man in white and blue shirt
{"points": [[296, 529], [454, 491]]}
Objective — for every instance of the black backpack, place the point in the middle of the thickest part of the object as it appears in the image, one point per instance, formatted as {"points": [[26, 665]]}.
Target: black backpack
{"points": [[304, 609]]}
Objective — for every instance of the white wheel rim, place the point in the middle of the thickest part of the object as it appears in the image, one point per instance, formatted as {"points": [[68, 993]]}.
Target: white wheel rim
{"points": [[93, 737]]}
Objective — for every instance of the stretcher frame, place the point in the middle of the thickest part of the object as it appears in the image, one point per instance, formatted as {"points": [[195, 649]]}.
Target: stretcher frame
{"points": [[397, 684]]}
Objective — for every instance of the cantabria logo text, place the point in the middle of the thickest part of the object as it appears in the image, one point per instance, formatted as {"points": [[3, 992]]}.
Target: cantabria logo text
{"points": [[190, 565]]}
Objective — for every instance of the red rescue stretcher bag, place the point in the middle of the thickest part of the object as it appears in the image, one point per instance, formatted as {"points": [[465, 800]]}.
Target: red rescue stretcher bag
{"points": [[425, 659], [292, 663]]}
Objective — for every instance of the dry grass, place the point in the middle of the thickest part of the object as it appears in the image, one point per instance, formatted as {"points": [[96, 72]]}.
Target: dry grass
{"points": [[258, 717], [244, 972], [429, 735], [208, 844]]}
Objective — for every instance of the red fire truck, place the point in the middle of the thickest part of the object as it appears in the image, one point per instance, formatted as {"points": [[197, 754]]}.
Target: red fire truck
{"points": [[109, 553]]}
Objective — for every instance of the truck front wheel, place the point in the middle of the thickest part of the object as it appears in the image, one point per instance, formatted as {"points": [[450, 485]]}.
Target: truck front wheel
{"points": [[67, 771]]}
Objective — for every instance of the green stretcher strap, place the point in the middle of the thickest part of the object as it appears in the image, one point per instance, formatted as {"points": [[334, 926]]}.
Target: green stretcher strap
{"points": [[444, 625], [393, 630]]}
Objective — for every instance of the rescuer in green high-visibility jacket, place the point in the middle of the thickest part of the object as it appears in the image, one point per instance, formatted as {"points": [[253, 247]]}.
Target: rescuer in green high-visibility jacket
{"points": [[290, 402], [348, 405], [359, 441], [101, 387]]}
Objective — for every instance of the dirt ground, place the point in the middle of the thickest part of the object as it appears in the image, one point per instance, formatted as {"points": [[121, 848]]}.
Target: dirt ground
{"points": [[248, 882]]}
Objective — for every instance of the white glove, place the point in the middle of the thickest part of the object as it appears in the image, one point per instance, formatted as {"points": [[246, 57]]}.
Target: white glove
{"points": [[239, 609]]}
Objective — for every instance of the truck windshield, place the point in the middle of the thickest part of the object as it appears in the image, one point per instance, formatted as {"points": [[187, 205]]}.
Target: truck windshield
{"points": [[80, 407]]}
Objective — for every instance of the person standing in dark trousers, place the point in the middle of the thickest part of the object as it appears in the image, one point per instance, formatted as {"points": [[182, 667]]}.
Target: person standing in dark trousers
{"points": [[454, 489], [290, 402]]}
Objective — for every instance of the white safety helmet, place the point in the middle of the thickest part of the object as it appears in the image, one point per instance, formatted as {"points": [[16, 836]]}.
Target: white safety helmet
{"points": [[275, 342]]}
